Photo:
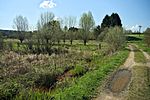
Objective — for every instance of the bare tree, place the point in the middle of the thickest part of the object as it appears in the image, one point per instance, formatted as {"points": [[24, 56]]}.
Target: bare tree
{"points": [[64, 36], [42, 25], [86, 23], [21, 24], [48, 30], [69, 22], [72, 34]]}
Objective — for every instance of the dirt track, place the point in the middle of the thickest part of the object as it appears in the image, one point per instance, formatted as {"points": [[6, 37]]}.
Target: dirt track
{"points": [[118, 85]]}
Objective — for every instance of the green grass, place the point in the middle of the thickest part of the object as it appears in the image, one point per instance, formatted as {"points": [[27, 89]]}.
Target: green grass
{"points": [[90, 69], [84, 87], [139, 87], [92, 45], [143, 46], [78, 56], [139, 57], [141, 36]]}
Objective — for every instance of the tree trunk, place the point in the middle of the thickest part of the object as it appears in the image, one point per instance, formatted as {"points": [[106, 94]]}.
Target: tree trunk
{"points": [[99, 46], [71, 42], [85, 42], [21, 41], [64, 41], [46, 41], [58, 41]]}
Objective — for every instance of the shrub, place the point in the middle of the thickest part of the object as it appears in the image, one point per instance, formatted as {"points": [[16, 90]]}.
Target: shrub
{"points": [[115, 38], [1, 41], [84, 87], [45, 81], [79, 71], [147, 36], [8, 90]]}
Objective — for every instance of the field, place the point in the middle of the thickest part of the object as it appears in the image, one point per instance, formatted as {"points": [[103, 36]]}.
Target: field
{"points": [[45, 76], [73, 72], [74, 50]]}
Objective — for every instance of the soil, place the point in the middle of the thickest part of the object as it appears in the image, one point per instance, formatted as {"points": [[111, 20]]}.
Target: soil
{"points": [[119, 81]]}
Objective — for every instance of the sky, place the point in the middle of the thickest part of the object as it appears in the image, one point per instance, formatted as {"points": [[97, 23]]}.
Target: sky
{"points": [[132, 12]]}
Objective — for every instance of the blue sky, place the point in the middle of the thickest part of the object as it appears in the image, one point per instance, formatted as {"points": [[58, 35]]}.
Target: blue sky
{"points": [[132, 12]]}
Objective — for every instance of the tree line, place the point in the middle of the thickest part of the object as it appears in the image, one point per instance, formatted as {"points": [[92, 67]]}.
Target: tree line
{"points": [[50, 31]]}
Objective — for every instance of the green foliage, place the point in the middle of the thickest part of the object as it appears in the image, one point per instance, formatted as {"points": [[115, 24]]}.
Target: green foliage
{"points": [[1, 41], [133, 38], [97, 32], [86, 85], [72, 32], [106, 22], [64, 34], [139, 57], [139, 88], [115, 38], [87, 23], [147, 36], [47, 28], [79, 70], [46, 80], [8, 90], [83, 88], [115, 20], [143, 46], [111, 21], [21, 24]]}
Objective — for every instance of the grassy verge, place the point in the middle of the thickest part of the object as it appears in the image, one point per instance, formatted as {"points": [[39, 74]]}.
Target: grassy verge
{"points": [[143, 46], [139, 87], [139, 57], [84, 87]]}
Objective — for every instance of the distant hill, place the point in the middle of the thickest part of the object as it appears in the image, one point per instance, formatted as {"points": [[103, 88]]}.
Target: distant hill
{"points": [[7, 32]]}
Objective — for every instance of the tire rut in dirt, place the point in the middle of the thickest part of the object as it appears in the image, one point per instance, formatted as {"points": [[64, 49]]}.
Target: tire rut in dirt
{"points": [[119, 81]]}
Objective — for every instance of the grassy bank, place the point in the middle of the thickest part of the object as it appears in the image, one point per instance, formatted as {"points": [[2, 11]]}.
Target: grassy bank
{"points": [[139, 57], [139, 87], [85, 86]]}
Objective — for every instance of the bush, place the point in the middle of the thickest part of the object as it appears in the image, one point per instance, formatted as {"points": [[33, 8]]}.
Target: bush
{"points": [[84, 87], [45, 81], [115, 38], [1, 41], [79, 71], [8, 90], [147, 36]]}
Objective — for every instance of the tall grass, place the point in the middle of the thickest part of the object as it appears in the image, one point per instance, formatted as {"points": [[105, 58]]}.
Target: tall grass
{"points": [[84, 87]]}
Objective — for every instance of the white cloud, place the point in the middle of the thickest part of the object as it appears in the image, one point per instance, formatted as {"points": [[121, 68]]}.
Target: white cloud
{"points": [[56, 18], [47, 4], [134, 28]]}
